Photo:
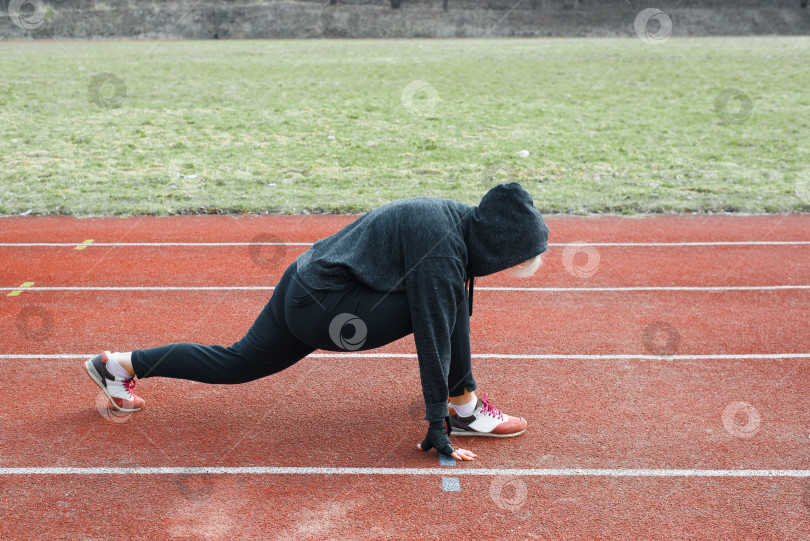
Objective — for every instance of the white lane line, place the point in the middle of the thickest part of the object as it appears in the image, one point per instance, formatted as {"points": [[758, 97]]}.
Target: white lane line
{"points": [[643, 288], [484, 288], [707, 243], [539, 472], [544, 356], [144, 288], [152, 244], [552, 245]]}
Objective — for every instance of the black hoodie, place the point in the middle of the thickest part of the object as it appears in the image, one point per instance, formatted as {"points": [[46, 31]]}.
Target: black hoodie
{"points": [[430, 248]]}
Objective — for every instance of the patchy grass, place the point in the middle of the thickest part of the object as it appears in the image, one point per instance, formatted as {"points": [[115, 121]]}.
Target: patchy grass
{"points": [[611, 125]]}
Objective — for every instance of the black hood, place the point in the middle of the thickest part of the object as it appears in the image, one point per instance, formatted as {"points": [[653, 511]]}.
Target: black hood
{"points": [[504, 230]]}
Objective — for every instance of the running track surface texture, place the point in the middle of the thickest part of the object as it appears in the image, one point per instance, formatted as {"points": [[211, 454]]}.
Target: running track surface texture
{"points": [[661, 362]]}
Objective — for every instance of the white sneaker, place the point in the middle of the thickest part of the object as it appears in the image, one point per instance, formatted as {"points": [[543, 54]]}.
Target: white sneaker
{"points": [[487, 420], [118, 390]]}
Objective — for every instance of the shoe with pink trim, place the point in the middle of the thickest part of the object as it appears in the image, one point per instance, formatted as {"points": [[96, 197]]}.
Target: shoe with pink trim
{"points": [[487, 420], [118, 390]]}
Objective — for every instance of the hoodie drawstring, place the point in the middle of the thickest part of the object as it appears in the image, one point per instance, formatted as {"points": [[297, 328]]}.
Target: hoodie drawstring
{"points": [[471, 287]]}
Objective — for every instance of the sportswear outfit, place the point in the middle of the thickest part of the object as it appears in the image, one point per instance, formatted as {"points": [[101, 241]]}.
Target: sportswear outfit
{"points": [[406, 267]]}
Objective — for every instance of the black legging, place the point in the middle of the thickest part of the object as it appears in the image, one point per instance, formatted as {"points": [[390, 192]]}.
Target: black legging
{"points": [[294, 323]]}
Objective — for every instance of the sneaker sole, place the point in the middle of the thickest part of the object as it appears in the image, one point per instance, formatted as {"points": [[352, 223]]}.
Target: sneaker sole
{"points": [[96, 377], [459, 432]]}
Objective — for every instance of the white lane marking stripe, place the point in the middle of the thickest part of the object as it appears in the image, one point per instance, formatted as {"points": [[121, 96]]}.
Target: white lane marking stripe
{"points": [[544, 356], [146, 288], [707, 243], [155, 244], [644, 288], [270, 470], [552, 245], [484, 288]]}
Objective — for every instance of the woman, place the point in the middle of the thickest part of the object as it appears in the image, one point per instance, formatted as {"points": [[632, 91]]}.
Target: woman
{"points": [[406, 267]]}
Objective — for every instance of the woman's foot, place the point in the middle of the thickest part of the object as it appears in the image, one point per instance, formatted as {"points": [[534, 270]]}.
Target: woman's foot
{"points": [[487, 420], [118, 389]]}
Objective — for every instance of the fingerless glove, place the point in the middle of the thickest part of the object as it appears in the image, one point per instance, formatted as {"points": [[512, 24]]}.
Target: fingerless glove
{"points": [[438, 436]]}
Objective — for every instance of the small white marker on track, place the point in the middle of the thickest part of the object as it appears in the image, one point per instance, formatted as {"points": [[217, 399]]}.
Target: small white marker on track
{"points": [[451, 484]]}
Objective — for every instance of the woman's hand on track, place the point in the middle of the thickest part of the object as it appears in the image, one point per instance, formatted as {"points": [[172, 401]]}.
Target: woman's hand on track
{"points": [[438, 436], [458, 454], [463, 454]]}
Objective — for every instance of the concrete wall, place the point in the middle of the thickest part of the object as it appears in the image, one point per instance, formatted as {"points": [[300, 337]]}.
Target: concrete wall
{"points": [[205, 19]]}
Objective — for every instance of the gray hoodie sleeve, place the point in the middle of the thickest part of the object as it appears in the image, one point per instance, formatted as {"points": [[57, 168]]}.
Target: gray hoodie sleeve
{"points": [[435, 288]]}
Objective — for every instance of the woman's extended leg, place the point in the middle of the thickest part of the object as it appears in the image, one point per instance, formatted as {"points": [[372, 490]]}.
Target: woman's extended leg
{"points": [[267, 348]]}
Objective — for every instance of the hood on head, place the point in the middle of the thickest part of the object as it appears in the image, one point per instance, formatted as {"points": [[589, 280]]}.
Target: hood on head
{"points": [[504, 230]]}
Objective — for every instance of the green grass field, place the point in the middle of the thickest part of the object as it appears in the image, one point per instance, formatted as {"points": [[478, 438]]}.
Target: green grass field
{"points": [[611, 125]]}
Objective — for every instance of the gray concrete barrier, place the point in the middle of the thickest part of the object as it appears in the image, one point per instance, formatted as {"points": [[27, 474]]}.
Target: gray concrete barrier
{"points": [[240, 19]]}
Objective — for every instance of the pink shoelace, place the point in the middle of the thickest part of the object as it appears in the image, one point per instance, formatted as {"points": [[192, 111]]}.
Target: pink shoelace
{"points": [[129, 384], [489, 409]]}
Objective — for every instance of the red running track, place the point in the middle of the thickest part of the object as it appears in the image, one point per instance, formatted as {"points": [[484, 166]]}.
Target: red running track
{"points": [[632, 407], [240, 266]]}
